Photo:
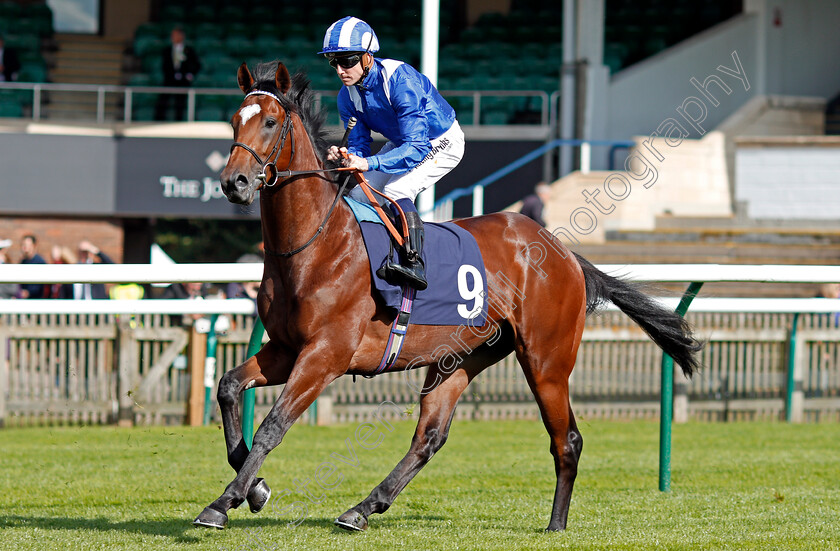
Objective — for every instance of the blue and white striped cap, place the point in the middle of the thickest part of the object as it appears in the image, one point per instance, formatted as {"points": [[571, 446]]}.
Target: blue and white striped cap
{"points": [[350, 34]]}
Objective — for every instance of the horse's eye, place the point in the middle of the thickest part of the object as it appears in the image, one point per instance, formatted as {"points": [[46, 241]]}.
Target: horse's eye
{"points": [[270, 123]]}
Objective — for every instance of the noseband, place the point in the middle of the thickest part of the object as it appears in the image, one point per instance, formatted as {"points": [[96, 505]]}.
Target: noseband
{"points": [[271, 161]]}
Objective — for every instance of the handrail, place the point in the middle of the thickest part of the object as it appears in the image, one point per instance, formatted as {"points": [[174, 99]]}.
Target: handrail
{"points": [[478, 94], [441, 211], [141, 306], [131, 273], [224, 272], [128, 92], [695, 273]]}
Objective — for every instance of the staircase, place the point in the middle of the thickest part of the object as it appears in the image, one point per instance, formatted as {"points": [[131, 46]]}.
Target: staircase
{"points": [[83, 59]]}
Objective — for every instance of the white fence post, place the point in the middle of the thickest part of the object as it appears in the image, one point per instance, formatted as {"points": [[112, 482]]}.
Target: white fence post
{"points": [[585, 158], [126, 368], [4, 376], [478, 201], [680, 396], [797, 402]]}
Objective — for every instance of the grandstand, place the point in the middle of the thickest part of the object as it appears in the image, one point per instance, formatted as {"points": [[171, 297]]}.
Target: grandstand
{"points": [[484, 50], [501, 65], [28, 29]]}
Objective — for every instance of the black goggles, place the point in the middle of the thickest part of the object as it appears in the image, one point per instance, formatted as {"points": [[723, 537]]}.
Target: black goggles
{"points": [[345, 62]]}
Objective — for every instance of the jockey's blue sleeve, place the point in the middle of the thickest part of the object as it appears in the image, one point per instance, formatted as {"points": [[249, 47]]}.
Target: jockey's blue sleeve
{"points": [[409, 104], [401, 104]]}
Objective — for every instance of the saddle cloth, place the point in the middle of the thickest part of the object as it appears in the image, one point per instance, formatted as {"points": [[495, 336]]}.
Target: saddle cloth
{"points": [[454, 269]]}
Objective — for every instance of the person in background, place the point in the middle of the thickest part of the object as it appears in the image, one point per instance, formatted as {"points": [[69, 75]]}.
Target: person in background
{"points": [[533, 205], [29, 248], [186, 291], [9, 62], [831, 290], [193, 290], [247, 289], [180, 66], [88, 254], [61, 255], [127, 291], [7, 290]]}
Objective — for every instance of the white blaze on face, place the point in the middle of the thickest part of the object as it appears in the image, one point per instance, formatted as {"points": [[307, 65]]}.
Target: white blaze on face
{"points": [[249, 111]]}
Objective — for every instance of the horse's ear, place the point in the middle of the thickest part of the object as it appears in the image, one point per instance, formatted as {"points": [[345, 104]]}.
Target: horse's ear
{"points": [[243, 76], [282, 79]]}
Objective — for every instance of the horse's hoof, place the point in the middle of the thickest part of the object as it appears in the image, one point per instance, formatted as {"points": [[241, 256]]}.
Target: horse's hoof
{"points": [[258, 496], [211, 518], [352, 520]]}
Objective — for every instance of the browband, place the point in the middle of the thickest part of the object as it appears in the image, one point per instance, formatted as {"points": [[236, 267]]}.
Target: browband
{"points": [[263, 93]]}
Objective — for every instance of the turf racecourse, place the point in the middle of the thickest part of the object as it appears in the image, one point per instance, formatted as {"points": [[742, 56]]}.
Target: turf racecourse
{"points": [[735, 486]]}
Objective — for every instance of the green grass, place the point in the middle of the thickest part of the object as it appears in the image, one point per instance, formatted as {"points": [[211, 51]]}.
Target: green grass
{"points": [[734, 486]]}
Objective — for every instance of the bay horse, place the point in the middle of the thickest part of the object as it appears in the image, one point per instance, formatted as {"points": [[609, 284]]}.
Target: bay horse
{"points": [[323, 321]]}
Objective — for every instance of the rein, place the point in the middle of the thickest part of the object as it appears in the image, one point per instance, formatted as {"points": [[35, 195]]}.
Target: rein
{"points": [[279, 145], [320, 228], [270, 163]]}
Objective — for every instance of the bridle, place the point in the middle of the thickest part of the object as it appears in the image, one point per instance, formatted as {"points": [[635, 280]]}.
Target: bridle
{"points": [[279, 144], [271, 160]]}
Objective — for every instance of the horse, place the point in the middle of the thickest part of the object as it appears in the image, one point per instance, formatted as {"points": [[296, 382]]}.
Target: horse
{"points": [[324, 321]]}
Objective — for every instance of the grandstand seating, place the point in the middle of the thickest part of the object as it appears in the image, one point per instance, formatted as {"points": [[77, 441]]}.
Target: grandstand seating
{"points": [[24, 28], [519, 50]]}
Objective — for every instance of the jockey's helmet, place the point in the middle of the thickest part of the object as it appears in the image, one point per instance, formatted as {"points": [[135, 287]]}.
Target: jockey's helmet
{"points": [[350, 34]]}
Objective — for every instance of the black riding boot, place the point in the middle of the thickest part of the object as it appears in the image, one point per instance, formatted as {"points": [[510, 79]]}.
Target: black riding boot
{"points": [[411, 270]]}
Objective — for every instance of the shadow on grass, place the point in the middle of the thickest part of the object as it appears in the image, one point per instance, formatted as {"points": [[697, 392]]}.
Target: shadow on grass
{"points": [[183, 531], [180, 530], [376, 521]]}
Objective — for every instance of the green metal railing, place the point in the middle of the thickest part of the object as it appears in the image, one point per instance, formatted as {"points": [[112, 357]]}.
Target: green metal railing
{"points": [[667, 398], [249, 398]]}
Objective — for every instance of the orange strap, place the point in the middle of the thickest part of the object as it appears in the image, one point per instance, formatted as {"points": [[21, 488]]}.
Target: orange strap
{"points": [[369, 191]]}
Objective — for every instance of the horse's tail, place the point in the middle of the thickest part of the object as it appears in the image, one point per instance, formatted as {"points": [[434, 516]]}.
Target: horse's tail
{"points": [[667, 329]]}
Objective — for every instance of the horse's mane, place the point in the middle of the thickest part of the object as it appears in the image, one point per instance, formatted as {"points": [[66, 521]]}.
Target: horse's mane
{"points": [[299, 99]]}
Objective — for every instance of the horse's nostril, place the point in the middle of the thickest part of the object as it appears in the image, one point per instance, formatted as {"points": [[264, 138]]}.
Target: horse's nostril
{"points": [[241, 180]]}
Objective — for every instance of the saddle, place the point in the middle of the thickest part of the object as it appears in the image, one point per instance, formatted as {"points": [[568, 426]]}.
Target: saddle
{"points": [[454, 270], [456, 258]]}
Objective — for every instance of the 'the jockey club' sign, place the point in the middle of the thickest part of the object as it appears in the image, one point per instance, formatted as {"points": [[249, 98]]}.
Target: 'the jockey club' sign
{"points": [[174, 177]]}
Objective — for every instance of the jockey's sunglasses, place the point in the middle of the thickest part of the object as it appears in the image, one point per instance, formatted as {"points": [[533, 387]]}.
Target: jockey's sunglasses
{"points": [[345, 62]]}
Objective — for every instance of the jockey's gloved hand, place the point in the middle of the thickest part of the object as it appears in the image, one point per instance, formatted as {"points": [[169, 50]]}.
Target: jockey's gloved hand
{"points": [[335, 154], [347, 159]]}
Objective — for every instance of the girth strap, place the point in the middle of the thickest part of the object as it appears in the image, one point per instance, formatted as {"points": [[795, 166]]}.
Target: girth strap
{"points": [[398, 331]]}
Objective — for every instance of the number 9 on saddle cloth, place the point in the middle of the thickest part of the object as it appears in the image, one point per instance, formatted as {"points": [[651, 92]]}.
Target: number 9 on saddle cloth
{"points": [[454, 269]]}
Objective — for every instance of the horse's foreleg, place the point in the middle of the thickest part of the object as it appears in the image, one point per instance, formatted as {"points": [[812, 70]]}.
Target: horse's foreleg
{"points": [[437, 407], [268, 367], [305, 383]]}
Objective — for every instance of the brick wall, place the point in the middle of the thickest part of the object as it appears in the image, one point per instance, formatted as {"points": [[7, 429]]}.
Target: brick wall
{"points": [[105, 234]]}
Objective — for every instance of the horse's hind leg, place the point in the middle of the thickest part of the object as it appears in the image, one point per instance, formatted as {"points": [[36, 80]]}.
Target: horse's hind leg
{"points": [[267, 367], [566, 446], [437, 407], [551, 390]]}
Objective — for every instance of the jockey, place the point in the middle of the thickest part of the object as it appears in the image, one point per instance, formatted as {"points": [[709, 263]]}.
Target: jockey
{"points": [[392, 98]]}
